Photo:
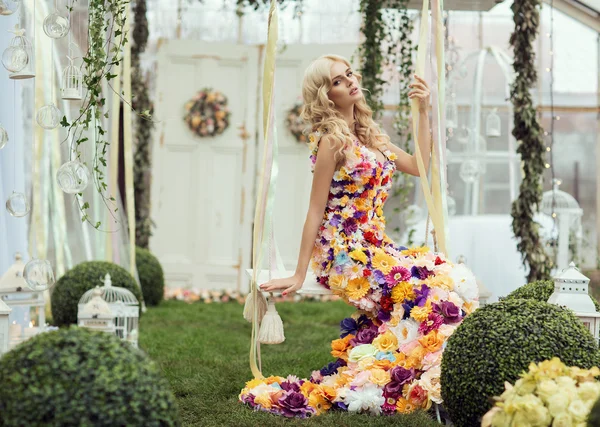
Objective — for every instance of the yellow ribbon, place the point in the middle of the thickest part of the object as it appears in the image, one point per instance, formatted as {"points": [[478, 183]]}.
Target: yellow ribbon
{"points": [[263, 213], [434, 193], [113, 165]]}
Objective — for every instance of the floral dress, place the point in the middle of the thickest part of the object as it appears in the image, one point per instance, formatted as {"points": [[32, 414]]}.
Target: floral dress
{"points": [[409, 301]]}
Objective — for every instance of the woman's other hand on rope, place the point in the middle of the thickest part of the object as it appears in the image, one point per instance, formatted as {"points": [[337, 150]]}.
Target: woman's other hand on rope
{"points": [[420, 90], [288, 284]]}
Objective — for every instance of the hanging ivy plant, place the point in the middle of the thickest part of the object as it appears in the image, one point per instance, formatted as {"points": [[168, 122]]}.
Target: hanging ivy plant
{"points": [[264, 4], [106, 39], [528, 133], [142, 166], [371, 57]]}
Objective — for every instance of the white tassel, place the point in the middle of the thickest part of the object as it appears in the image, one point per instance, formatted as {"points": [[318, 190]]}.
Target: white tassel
{"points": [[271, 328], [249, 306]]}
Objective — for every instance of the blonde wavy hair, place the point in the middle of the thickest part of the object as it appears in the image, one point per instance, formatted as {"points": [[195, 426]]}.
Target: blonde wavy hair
{"points": [[320, 112]]}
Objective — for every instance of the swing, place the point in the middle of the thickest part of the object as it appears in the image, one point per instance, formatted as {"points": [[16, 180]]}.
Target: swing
{"points": [[267, 326]]}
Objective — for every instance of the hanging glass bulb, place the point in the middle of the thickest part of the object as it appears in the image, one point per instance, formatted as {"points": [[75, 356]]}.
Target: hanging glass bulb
{"points": [[451, 203], [15, 58], [493, 124], [38, 275], [8, 7], [17, 204], [413, 214], [469, 171], [3, 137], [73, 177], [48, 116], [56, 26]]}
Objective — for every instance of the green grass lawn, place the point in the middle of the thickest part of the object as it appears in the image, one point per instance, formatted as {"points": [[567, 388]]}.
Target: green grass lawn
{"points": [[202, 350]]}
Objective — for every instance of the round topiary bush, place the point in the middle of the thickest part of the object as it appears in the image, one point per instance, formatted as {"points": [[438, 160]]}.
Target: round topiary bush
{"points": [[151, 276], [497, 342], [539, 291], [81, 278], [75, 376]]}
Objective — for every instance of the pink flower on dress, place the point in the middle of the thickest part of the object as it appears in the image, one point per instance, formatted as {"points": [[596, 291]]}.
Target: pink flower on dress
{"points": [[397, 275]]}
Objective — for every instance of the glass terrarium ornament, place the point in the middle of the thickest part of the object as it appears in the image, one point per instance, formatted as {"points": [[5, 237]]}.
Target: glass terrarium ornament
{"points": [[17, 204], [56, 26], [38, 274], [493, 124], [3, 137], [8, 7], [18, 57], [48, 116], [73, 177], [72, 82], [469, 171]]}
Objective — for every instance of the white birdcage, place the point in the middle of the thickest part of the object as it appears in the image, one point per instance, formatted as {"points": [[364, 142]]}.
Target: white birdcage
{"points": [[571, 290], [22, 44], [96, 314], [493, 125], [28, 316], [562, 206], [124, 307], [72, 82]]}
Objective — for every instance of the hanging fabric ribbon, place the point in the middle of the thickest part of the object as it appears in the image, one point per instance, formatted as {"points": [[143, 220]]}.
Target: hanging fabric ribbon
{"points": [[263, 215], [435, 194]]}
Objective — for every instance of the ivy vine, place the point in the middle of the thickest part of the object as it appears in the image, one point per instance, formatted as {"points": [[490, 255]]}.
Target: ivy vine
{"points": [[142, 158], [528, 133], [106, 39], [371, 57]]}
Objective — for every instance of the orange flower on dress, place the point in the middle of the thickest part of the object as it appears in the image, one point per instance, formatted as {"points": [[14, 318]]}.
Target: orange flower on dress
{"points": [[339, 347], [358, 288], [432, 342], [415, 252], [403, 406], [402, 291], [420, 314], [383, 262]]}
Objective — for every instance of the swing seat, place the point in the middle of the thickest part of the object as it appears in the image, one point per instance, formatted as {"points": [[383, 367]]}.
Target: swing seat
{"points": [[310, 286]]}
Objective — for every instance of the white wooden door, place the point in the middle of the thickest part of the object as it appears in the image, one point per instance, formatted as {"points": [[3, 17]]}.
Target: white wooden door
{"points": [[202, 191], [295, 180]]}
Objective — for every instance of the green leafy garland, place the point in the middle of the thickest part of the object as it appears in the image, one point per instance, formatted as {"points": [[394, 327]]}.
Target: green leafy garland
{"points": [[106, 39], [142, 158], [528, 132], [371, 58]]}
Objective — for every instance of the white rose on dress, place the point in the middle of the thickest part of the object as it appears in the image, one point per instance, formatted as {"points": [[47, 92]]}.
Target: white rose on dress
{"points": [[366, 399], [406, 331], [465, 283]]}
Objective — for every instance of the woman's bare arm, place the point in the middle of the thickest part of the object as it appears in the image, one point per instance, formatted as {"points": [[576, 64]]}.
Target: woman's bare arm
{"points": [[408, 163]]}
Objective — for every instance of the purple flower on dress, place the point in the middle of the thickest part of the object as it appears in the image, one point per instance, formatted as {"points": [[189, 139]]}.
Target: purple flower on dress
{"points": [[399, 376], [290, 386], [294, 405], [421, 295], [348, 326], [341, 405], [365, 336], [379, 277], [350, 226], [249, 400], [332, 367], [433, 322], [408, 306], [449, 310], [335, 220], [384, 316], [420, 272]]}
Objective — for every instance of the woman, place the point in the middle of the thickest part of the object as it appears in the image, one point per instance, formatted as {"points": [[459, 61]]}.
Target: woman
{"points": [[409, 301]]}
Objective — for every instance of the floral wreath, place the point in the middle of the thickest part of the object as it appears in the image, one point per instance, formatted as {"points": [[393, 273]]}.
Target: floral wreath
{"points": [[295, 124], [207, 113]]}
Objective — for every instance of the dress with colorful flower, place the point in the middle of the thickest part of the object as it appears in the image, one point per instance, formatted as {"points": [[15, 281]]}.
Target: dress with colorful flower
{"points": [[409, 301]]}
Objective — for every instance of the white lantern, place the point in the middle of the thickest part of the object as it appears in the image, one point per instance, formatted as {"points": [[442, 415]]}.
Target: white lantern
{"points": [[28, 316], [96, 314], [72, 82], [124, 306], [571, 291], [4, 329]]}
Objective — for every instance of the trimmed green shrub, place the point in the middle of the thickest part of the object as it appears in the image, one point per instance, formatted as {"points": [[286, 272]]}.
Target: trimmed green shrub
{"points": [[497, 342], [539, 291], [70, 288], [75, 376], [151, 276]]}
